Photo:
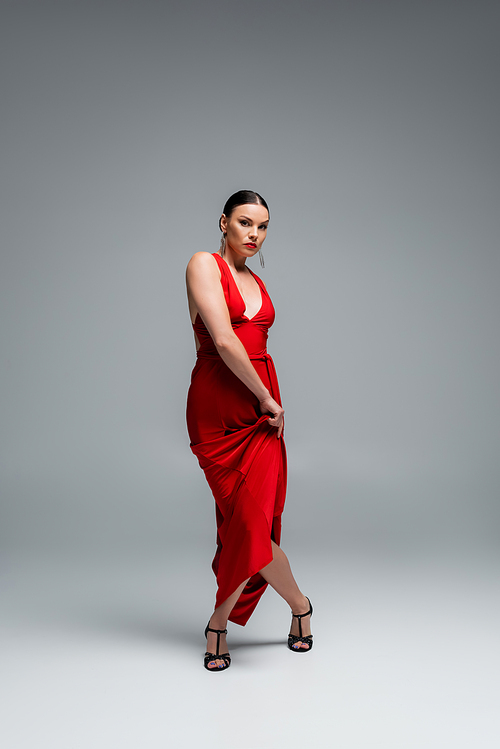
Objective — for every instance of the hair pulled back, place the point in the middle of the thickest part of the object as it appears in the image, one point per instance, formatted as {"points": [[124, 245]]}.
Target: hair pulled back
{"points": [[242, 197]]}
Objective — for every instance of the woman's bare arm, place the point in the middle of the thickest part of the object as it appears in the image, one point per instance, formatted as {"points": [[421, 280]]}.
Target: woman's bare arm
{"points": [[206, 296]]}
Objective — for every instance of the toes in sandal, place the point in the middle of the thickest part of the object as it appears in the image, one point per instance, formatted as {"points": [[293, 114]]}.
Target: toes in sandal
{"points": [[306, 639], [214, 656]]}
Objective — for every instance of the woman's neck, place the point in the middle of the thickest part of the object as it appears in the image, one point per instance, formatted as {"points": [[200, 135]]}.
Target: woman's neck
{"points": [[238, 262]]}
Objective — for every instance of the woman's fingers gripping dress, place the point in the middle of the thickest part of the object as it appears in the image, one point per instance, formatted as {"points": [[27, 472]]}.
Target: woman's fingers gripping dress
{"points": [[269, 406]]}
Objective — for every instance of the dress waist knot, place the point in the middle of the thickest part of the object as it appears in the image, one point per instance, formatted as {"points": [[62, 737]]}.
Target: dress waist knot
{"points": [[214, 354], [262, 356]]}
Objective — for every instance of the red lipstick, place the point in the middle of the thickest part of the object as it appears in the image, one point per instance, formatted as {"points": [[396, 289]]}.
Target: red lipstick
{"points": [[252, 245]]}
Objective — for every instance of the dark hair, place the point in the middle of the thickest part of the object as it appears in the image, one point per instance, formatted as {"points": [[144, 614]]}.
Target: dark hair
{"points": [[242, 197]]}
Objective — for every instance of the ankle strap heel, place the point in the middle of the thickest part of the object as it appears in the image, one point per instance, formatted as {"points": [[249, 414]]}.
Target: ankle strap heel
{"points": [[306, 639], [214, 656]]}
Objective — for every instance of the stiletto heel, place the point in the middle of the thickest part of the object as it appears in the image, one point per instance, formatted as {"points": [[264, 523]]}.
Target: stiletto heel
{"points": [[213, 656], [306, 639]]}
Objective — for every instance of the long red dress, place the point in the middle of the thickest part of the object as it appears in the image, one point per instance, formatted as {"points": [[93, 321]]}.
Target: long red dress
{"points": [[243, 461]]}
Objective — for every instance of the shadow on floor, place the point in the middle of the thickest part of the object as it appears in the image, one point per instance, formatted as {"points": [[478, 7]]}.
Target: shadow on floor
{"points": [[254, 644], [153, 628]]}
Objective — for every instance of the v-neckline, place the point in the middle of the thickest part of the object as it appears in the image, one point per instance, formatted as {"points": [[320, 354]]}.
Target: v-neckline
{"points": [[241, 295]]}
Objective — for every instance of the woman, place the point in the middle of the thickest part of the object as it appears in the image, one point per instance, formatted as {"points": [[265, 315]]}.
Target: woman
{"points": [[235, 423]]}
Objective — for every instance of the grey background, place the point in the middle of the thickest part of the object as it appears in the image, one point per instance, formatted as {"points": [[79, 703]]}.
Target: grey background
{"points": [[371, 128]]}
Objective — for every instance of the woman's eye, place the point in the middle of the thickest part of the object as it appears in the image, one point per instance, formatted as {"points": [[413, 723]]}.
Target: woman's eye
{"points": [[244, 223]]}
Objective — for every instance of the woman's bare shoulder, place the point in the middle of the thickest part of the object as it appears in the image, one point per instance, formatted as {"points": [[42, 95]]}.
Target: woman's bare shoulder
{"points": [[202, 260], [202, 265]]}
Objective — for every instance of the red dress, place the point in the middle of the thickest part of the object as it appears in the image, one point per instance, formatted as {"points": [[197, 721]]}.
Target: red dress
{"points": [[243, 461]]}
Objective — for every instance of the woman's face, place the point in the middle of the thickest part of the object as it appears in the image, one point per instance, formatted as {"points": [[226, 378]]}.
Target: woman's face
{"points": [[246, 228]]}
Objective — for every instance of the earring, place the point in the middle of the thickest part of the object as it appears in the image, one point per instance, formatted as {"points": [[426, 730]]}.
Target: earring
{"points": [[222, 247], [261, 258]]}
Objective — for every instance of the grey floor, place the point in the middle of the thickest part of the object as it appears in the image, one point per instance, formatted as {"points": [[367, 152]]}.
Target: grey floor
{"points": [[108, 653]]}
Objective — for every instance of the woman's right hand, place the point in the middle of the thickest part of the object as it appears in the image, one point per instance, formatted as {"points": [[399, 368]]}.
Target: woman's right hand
{"points": [[269, 406]]}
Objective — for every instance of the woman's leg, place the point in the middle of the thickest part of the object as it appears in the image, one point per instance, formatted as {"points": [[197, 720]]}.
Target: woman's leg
{"points": [[279, 576], [218, 620]]}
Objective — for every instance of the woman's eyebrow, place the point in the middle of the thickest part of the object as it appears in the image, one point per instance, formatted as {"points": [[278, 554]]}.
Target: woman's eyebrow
{"points": [[249, 219]]}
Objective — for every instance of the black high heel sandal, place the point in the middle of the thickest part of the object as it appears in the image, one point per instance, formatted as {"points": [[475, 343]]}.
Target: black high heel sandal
{"points": [[213, 656], [307, 639]]}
